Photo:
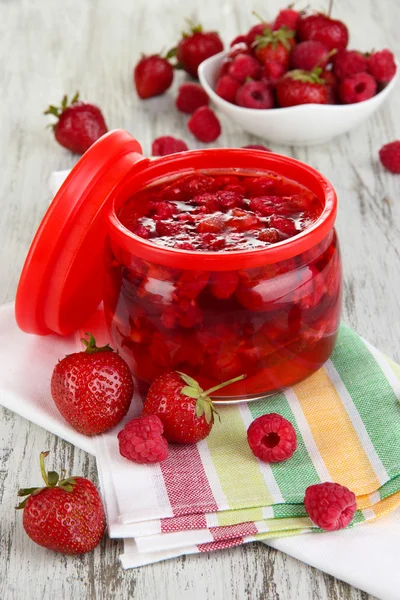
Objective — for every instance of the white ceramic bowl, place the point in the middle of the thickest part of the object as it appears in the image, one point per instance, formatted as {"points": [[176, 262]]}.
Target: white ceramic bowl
{"points": [[302, 125]]}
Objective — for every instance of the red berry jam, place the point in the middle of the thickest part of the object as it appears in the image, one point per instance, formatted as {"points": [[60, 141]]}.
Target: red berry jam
{"points": [[208, 213], [277, 323]]}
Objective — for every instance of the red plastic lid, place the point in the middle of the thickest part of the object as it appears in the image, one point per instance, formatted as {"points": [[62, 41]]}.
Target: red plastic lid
{"points": [[61, 283]]}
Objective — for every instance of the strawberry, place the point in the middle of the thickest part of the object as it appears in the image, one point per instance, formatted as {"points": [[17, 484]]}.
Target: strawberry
{"points": [[257, 30], [287, 17], [92, 389], [320, 28], [302, 87], [196, 46], [185, 410], [152, 76], [79, 124], [274, 45], [66, 515]]}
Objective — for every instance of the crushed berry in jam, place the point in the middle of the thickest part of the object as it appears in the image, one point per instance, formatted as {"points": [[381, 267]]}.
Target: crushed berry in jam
{"points": [[277, 323], [210, 212]]}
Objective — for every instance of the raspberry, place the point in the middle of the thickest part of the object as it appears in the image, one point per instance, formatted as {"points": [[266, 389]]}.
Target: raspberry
{"points": [[163, 210], [228, 199], [209, 200], [381, 65], [167, 228], [212, 224], [271, 236], [308, 55], [357, 88], [190, 284], [287, 17], [242, 220], [141, 440], [257, 147], [260, 186], [390, 156], [255, 94], [243, 66], [204, 125], [166, 144], [273, 71], [224, 68], [349, 62], [227, 88], [272, 438], [330, 506], [190, 97], [223, 284], [331, 86], [142, 232], [264, 205], [284, 225]]}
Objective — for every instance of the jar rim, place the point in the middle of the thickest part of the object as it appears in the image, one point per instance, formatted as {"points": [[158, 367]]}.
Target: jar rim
{"points": [[228, 159]]}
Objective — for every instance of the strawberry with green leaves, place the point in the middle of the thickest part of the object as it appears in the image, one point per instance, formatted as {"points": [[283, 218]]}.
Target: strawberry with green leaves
{"points": [[194, 47], [79, 124], [302, 87], [66, 515], [274, 45], [184, 408], [92, 389]]}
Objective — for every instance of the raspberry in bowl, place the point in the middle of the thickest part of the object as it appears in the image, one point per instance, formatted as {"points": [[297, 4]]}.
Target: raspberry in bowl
{"points": [[218, 262]]}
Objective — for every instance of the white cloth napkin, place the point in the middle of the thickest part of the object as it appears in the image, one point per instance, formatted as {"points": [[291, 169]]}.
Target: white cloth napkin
{"points": [[365, 557]]}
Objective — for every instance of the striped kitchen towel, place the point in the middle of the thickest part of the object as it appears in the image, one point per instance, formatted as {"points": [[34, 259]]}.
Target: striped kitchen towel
{"points": [[347, 418]]}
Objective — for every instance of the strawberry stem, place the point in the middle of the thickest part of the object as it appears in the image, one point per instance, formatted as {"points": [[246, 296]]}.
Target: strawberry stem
{"points": [[221, 385], [259, 17], [91, 348], [330, 7], [43, 455]]}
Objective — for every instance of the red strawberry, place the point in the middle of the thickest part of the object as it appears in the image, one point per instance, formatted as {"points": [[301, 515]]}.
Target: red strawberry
{"points": [[79, 124], [92, 389], [185, 410], [195, 47], [320, 28], [65, 516], [274, 45], [257, 30], [302, 87], [287, 17], [152, 75]]}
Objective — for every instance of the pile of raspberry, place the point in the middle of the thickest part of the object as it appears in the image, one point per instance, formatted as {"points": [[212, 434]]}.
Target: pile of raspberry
{"points": [[300, 59], [206, 212]]}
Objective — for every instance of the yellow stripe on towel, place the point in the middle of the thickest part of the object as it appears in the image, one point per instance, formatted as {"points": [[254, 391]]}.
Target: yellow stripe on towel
{"points": [[334, 434]]}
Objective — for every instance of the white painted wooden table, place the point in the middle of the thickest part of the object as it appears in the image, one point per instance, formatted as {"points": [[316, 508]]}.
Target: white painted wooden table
{"points": [[48, 48]]}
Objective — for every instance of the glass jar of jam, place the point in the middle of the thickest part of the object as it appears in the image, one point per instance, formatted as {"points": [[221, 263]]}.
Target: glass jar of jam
{"points": [[217, 263]]}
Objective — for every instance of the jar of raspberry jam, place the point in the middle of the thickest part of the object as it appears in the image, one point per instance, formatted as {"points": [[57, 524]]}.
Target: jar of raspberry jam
{"points": [[215, 263]]}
